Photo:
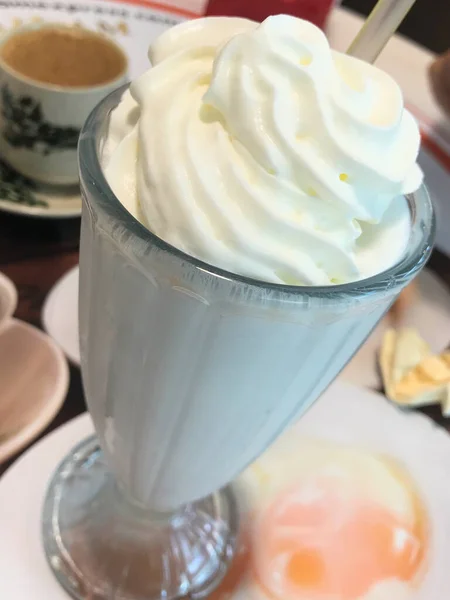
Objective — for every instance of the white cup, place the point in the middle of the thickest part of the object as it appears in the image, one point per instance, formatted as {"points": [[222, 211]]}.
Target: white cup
{"points": [[8, 299], [40, 123]]}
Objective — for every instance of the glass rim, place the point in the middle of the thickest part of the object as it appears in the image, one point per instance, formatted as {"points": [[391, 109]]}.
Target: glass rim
{"points": [[400, 272]]}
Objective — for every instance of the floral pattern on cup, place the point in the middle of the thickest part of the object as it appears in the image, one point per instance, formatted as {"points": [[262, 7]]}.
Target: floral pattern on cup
{"points": [[26, 126]]}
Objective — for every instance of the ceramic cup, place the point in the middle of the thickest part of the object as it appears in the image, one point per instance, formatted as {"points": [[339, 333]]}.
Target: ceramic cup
{"points": [[40, 123]]}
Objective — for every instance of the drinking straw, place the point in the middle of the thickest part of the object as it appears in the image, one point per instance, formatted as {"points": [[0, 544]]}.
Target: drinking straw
{"points": [[378, 28]]}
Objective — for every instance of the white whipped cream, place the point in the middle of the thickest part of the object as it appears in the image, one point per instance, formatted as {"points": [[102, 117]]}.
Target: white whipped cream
{"points": [[258, 149]]}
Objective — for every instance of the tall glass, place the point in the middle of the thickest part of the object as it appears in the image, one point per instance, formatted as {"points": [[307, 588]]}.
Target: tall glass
{"points": [[190, 372]]}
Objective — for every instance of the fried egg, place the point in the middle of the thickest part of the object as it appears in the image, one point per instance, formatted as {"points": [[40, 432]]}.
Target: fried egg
{"points": [[348, 524], [350, 503], [328, 522]]}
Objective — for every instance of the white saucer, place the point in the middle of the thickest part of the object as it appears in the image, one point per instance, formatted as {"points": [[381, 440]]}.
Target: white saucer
{"points": [[60, 314], [344, 414], [34, 379], [24, 574], [22, 196], [430, 314]]}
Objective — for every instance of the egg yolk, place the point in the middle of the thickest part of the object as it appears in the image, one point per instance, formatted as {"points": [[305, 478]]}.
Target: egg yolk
{"points": [[317, 540]]}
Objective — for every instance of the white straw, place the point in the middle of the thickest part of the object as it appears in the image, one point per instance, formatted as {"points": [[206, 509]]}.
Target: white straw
{"points": [[381, 24]]}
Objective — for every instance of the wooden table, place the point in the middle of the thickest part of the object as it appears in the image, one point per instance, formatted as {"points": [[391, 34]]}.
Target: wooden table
{"points": [[35, 253]]}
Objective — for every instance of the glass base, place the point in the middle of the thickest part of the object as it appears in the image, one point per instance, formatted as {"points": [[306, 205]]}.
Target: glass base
{"points": [[100, 546]]}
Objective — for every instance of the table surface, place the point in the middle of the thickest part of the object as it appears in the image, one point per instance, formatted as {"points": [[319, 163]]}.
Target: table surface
{"points": [[35, 253]]}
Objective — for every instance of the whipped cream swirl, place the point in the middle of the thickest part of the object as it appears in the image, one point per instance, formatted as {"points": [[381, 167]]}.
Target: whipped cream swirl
{"points": [[258, 149]]}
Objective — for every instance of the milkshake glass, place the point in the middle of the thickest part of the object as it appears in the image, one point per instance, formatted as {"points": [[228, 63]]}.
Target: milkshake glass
{"points": [[190, 372]]}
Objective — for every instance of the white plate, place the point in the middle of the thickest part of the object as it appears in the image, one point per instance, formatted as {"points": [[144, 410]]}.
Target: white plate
{"points": [[135, 24], [22, 196], [430, 313], [344, 414], [34, 378], [24, 574], [60, 314]]}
